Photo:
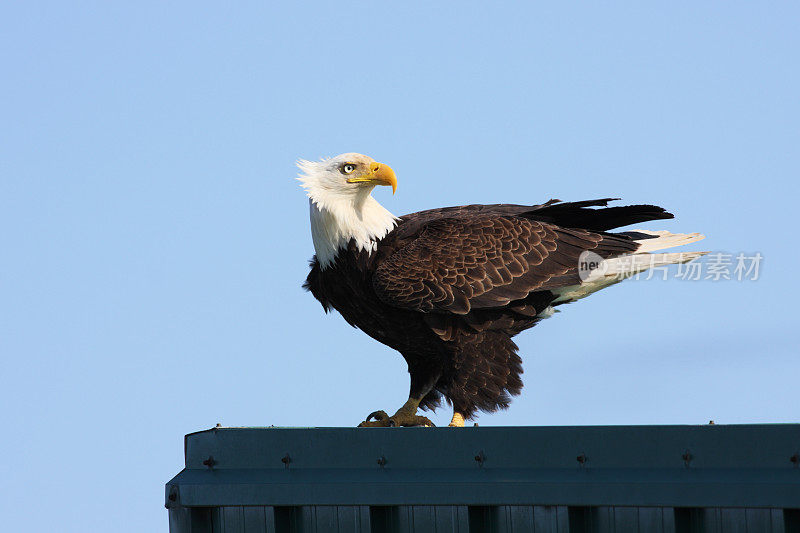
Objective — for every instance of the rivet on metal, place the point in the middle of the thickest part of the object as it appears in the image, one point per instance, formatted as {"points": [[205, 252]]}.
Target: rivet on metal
{"points": [[210, 462], [582, 459], [480, 458], [382, 461], [687, 458], [286, 460]]}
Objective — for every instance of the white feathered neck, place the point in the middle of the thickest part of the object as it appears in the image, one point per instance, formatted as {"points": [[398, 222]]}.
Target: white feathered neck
{"points": [[341, 213]]}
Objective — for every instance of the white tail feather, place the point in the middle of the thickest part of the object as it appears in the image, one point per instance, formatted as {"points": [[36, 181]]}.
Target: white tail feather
{"points": [[626, 266], [665, 240], [616, 269]]}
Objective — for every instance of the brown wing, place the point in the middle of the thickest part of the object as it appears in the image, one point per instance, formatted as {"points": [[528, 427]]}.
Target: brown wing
{"points": [[485, 261]]}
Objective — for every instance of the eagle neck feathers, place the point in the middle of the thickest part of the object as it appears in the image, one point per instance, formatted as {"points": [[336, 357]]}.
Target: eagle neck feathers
{"points": [[337, 221]]}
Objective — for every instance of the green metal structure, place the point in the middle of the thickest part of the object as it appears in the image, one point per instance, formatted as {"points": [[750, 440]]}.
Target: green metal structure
{"points": [[560, 479]]}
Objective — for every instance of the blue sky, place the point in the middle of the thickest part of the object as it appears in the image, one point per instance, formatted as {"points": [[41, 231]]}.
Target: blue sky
{"points": [[154, 239]]}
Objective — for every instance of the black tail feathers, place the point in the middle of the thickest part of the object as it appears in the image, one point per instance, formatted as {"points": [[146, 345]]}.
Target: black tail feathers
{"points": [[582, 214]]}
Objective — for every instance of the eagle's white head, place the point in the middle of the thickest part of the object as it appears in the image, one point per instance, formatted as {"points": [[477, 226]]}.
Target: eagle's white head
{"points": [[342, 208]]}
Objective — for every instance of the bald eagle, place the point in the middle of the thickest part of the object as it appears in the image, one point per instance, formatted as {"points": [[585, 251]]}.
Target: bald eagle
{"points": [[448, 288]]}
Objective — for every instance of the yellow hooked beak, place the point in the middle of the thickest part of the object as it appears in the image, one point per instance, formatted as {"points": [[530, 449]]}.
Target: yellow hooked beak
{"points": [[378, 174]]}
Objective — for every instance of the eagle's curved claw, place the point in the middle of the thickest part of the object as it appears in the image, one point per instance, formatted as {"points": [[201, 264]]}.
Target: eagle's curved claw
{"points": [[377, 415], [381, 420]]}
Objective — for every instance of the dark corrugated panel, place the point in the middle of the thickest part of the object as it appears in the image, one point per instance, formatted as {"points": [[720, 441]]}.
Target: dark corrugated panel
{"points": [[501, 519], [594, 479]]}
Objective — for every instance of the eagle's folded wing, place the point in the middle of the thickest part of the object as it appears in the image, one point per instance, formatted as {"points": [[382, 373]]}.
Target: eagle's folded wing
{"points": [[484, 261]]}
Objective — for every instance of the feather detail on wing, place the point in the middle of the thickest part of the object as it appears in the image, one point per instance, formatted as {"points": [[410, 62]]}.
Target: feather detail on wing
{"points": [[479, 261]]}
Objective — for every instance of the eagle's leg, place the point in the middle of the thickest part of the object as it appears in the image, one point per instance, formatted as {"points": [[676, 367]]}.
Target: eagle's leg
{"points": [[405, 416], [424, 375], [457, 421]]}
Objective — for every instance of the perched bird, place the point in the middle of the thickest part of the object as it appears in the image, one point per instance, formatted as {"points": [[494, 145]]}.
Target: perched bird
{"points": [[448, 288]]}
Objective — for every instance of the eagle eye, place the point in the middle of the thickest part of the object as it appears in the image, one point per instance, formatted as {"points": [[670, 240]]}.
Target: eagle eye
{"points": [[348, 168]]}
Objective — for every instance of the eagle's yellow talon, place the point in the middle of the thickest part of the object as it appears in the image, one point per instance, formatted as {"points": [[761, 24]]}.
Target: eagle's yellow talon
{"points": [[406, 416]]}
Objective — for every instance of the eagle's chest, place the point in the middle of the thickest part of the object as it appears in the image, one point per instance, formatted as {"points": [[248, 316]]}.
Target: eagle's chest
{"points": [[347, 287]]}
